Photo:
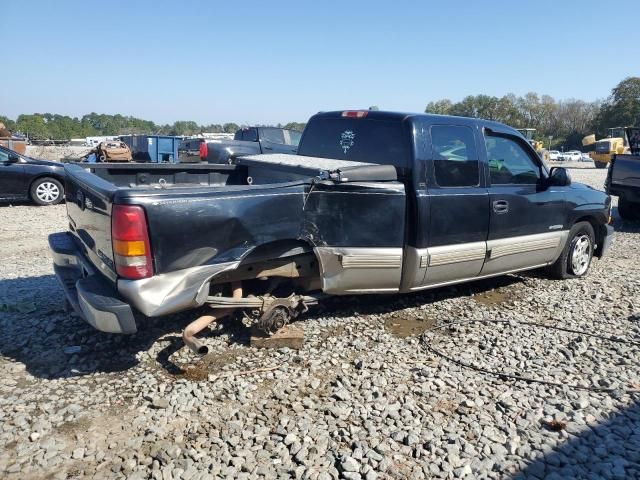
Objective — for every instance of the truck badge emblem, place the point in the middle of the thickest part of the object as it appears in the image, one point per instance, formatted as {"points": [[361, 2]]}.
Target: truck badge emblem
{"points": [[346, 140]]}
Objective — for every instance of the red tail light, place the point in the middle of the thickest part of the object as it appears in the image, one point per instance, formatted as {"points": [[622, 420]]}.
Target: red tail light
{"points": [[130, 239], [204, 151], [355, 113]]}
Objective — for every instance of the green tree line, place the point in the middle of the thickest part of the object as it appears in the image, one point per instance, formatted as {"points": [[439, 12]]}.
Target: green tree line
{"points": [[42, 126], [566, 121]]}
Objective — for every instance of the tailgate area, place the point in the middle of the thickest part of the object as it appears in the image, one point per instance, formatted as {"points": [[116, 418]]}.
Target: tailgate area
{"points": [[90, 294]]}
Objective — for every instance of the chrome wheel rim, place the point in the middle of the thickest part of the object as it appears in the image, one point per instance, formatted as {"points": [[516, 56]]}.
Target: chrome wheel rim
{"points": [[581, 255], [47, 192]]}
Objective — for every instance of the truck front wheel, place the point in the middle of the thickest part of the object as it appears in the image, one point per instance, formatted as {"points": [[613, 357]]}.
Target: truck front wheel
{"points": [[575, 259], [628, 210]]}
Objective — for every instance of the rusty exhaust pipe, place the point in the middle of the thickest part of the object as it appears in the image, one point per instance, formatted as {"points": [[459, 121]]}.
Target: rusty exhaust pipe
{"points": [[189, 333]]}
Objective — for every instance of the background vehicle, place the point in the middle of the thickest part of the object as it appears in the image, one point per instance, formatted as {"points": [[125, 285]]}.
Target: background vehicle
{"points": [[554, 155], [375, 202], [616, 143], [537, 145], [112, 151], [24, 178], [584, 157], [572, 156], [189, 150], [250, 141], [623, 178]]}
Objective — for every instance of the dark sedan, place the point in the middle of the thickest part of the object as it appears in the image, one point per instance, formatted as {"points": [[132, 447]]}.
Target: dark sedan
{"points": [[24, 178]]}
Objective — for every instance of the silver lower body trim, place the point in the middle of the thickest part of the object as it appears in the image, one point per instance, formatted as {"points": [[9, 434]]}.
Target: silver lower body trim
{"points": [[359, 270], [172, 292], [506, 254], [478, 277], [449, 264]]}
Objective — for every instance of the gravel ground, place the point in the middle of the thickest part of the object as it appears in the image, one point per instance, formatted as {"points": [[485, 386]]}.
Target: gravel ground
{"points": [[364, 398]]}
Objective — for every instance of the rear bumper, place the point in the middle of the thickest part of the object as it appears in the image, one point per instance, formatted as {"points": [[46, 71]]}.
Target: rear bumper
{"points": [[92, 296]]}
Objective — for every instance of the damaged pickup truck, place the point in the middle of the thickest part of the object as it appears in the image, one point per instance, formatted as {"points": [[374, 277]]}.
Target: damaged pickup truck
{"points": [[374, 202]]}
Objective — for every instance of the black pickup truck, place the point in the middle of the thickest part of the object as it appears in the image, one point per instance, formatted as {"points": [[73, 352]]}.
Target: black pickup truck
{"points": [[374, 202], [623, 178], [246, 141]]}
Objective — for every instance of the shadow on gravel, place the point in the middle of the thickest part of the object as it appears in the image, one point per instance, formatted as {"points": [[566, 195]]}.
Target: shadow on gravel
{"points": [[379, 304], [611, 449], [37, 332], [625, 226]]}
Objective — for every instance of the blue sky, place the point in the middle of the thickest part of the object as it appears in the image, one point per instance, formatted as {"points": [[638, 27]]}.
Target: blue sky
{"points": [[269, 61]]}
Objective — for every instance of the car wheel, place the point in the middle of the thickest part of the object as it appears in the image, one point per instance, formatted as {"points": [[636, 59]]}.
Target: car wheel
{"points": [[576, 256], [628, 210], [47, 191]]}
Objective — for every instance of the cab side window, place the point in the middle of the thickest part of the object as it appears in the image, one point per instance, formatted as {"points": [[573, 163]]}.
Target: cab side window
{"points": [[509, 163], [272, 135], [455, 157], [4, 157]]}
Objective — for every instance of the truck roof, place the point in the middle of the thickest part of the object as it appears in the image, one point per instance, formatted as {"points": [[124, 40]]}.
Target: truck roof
{"points": [[428, 117]]}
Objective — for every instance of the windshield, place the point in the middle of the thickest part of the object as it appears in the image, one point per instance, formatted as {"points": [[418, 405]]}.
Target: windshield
{"points": [[360, 140], [616, 133]]}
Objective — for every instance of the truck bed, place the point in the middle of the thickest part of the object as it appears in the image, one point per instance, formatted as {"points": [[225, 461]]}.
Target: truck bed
{"points": [[162, 175]]}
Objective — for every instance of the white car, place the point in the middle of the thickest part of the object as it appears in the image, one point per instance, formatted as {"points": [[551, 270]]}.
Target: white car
{"points": [[572, 156], [584, 157], [554, 155]]}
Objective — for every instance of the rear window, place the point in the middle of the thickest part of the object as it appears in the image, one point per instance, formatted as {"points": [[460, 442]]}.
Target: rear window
{"points": [[359, 140]]}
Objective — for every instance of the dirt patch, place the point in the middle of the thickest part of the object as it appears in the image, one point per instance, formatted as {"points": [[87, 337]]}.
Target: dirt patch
{"points": [[402, 326], [216, 360], [82, 424], [211, 363], [492, 297], [335, 331], [195, 373]]}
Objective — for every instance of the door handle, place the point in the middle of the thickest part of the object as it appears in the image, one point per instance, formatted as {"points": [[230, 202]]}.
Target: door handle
{"points": [[501, 206]]}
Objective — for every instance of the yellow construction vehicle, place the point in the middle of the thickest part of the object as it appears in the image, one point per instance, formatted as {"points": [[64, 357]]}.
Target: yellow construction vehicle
{"points": [[538, 145], [617, 142]]}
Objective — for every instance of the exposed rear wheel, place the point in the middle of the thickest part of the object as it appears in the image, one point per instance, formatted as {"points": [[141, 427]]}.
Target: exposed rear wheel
{"points": [[47, 191], [575, 259]]}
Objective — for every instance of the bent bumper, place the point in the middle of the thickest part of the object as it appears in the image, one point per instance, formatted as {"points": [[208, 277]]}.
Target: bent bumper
{"points": [[92, 297]]}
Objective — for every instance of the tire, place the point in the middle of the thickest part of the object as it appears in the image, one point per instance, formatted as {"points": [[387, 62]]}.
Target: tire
{"points": [[600, 164], [46, 191], [576, 256], [628, 210]]}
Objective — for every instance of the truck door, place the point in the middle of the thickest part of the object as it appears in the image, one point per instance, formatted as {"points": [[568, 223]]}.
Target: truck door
{"points": [[452, 212], [457, 203], [12, 177], [526, 228]]}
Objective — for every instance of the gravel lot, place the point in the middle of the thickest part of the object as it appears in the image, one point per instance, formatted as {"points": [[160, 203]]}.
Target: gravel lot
{"points": [[364, 398]]}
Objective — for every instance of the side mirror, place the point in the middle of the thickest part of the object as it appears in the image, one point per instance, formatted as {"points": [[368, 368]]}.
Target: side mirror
{"points": [[559, 177], [13, 158]]}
